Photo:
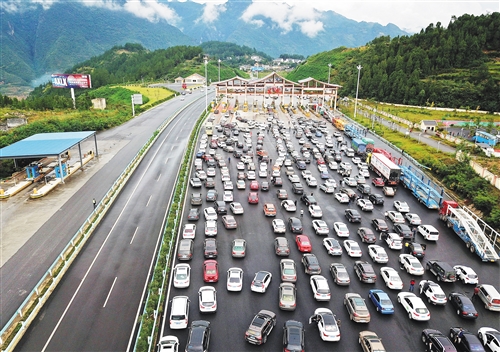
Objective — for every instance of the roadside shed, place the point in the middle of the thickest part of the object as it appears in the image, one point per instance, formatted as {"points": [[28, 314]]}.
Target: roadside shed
{"points": [[428, 125]]}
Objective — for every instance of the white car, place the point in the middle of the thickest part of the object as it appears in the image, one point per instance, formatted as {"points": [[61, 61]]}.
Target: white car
{"points": [[224, 176], [228, 196], [207, 297], [352, 248], [434, 293], [182, 275], [466, 274], [327, 324], [289, 205], [332, 246], [394, 241], [414, 306], [311, 181], [490, 338], [251, 175], [331, 182], [261, 281], [279, 226], [364, 172], [327, 188], [189, 231], [341, 229], [320, 227], [234, 279], [236, 208], [262, 173], [322, 167], [240, 184], [315, 211], [320, 288], [413, 219], [210, 213], [342, 198], [356, 160], [211, 172], [411, 264], [333, 165], [202, 175], [210, 228], [306, 174], [169, 343], [395, 216], [240, 166], [365, 204], [377, 253], [350, 181], [294, 178], [391, 278], [228, 186], [402, 206]]}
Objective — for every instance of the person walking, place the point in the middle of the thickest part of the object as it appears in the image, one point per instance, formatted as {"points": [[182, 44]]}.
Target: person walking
{"points": [[229, 160], [407, 247], [295, 202], [412, 285], [476, 292], [301, 213], [414, 233], [94, 203]]}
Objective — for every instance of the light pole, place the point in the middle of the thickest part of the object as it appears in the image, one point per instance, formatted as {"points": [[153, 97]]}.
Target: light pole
{"points": [[206, 85], [329, 68], [438, 145], [419, 135], [219, 70], [357, 90]]}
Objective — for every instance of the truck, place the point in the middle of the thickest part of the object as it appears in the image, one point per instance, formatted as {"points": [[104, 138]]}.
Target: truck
{"points": [[339, 123], [359, 146], [421, 187], [209, 128], [385, 168], [479, 238]]}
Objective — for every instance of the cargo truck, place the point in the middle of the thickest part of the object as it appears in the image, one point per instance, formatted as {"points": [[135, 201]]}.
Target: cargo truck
{"points": [[385, 168]]}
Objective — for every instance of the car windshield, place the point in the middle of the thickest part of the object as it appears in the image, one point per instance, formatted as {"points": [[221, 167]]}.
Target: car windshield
{"points": [[287, 298], [234, 279], [439, 295]]}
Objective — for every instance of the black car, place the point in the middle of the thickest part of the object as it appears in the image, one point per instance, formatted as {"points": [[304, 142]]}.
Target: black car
{"points": [[367, 235], [211, 195], [194, 214], [220, 207], [435, 340], [376, 199], [352, 215], [311, 264], [308, 199], [199, 336], [467, 342], [295, 225], [297, 188], [293, 336], [416, 249], [365, 271], [463, 305], [209, 182], [442, 270], [210, 248], [260, 327], [404, 231], [380, 225]]}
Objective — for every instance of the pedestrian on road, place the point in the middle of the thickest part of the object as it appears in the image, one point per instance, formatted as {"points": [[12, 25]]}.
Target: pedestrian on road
{"points": [[229, 160], [312, 194], [414, 233], [94, 203], [301, 213], [476, 292], [407, 247], [295, 202], [412, 285]]}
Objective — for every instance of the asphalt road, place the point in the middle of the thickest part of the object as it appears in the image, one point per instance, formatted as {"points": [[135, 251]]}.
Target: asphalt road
{"points": [[96, 305], [236, 309]]}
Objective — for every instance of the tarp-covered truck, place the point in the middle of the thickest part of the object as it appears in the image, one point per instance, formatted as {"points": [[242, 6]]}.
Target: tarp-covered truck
{"points": [[385, 168]]}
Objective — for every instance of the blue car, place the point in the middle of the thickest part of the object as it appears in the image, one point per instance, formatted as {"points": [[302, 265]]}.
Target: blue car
{"points": [[318, 134], [325, 175], [382, 301]]}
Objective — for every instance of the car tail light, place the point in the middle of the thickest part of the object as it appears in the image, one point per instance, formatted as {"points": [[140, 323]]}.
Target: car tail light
{"points": [[355, 314], [464, 313]]}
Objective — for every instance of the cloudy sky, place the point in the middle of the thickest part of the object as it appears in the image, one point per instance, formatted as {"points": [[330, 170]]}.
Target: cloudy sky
{"points": [[303, 14]]}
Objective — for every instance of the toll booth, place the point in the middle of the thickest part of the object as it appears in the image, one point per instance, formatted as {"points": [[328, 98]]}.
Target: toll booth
{"points": [[32, 171], [57, 170]]}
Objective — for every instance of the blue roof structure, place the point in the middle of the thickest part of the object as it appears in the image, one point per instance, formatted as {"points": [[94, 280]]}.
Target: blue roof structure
{"points": [[44, 144]]}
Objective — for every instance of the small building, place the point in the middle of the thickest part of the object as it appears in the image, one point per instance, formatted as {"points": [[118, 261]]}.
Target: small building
{"points": [[195, 78], [428, 125], [179, 80]]}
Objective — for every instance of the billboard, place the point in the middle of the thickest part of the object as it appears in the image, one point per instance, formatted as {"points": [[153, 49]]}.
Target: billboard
{"points": [[63, 80]]}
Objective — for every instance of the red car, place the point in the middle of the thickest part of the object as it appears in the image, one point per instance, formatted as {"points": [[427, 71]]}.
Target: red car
{"points": [[253, 198], [303, 243], [320, 161], [210, 271], [378, 182], [254, 185]]}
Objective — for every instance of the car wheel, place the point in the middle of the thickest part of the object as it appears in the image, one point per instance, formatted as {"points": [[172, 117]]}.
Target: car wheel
{"points": [[409, 316], [438, 278], [423, 338], [458, 311], [264, 339], [480, 336], [399, 300], [378, 309]]}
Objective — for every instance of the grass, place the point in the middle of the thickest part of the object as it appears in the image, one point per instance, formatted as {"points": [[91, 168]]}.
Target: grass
{"points": [[154, 94]]}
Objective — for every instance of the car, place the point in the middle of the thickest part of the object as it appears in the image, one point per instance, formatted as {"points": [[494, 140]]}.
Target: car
{"points": [[200, 174], [463, 305], [434, 293], [429, 232], [238, 248], [391, 278], [404, 231], [240, 166], [356, 308], [339, 274], [289, 205], [320, 227], [303, 243], [342, 198], [394, 241], [277, 181], [414, 306], [327, 188], [311, 181], [327, 324], [341, 229], [311, 264], [333, 165], [435, 341], [228, 186], [288, 270], [364, 204], [236, 208], [350, 181], [411, 264], [380, 225], [376, 199], [209, 182], [254, 185], [189, 231], [365, 272], [193, 214], [389, 191], [196, 199], [210, 228], [377, 253], [401, 206], [229, 222], [352, 215], [195, 182], [240, 184], [466, 274], [308, 199], [465, 340], [395, 216], [281, 246], [278, 226], [320, 288], [363, 188], [315, 211], [370, 342], [185, 250], [207, 298], [382, 301], [295, 225], [234, 279], [251, 175], [182, 275], [293, 336], [287, 294], [210, 270], [227, 196], [332, 246], [367, 235], [349, 192], [261, 326], [220, 207], [269, 209], [210, 213], [352, 248], [199, 336], [210, 248], [490, 338], [282, 194], [261, 281], [413, 219], [253, 198], [442, 270], [378, 182], [168, 343], [264, 186]]}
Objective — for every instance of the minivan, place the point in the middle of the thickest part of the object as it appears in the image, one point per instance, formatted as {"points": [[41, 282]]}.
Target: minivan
{"points": [[429, 232], [490, 296], [179, 312]]}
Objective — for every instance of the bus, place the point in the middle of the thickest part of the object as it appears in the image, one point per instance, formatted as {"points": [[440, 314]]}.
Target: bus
{"points": [[485, 137]]}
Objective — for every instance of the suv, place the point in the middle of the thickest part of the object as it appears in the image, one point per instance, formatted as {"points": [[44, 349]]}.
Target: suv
{"points": [[199, 336], [220, 207], [293, 336], [435, 341], [442, 270], [260, 327]]}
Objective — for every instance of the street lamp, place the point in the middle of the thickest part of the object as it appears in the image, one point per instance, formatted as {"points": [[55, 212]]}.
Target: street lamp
{"points": [[357, 90], [419, 135], [206, 85], [219, 70], [438, 145], [329, 68]]}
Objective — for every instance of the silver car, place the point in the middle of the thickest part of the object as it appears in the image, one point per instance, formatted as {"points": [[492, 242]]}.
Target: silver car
{"points": [[288, 270], [287, 296]]}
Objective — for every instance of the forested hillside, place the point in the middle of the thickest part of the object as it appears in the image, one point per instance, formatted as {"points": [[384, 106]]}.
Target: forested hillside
{"points": [[457, 66], [233, 54]]}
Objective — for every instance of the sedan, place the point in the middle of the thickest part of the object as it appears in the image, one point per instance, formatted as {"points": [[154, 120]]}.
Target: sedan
{"points": [[193, 214], [332, 246], [389, 191], [295, 225], [189, 231], [199, 336], [395, 216], [376, 199], [238, 248], [365, 272], [402, 206], [327, 188], [211, 195], [393, 240], [489, 337], [382, 301], [195, 182], [287, 294], [377, 253], [207, 297], [352, 248], [320, 288], [261, 281], [414, 306], [378, 182], [413, 219], [350, 181], [253, 198], [210, 248], [404, 231], [434, 293], [182, 275], [342, 198], [341, 229], [169, 343], [467, 341], [370, 342], [364, 204], [320, 227], [356, 307], [254, 185], [228, 196], [367, 235], [315, 211], [466, 274], [210, 271], [327, 324], [289, 205], [240, 184], [380, 225], [352, 215], [269, 209], [278, 226], [281, 246], [229, 222], [311, 264], [210, 228], [391, 278], [210, 213], [236, 208], [463, 305], [411, 264], [340, 274], [288, 270], [282, 194]]}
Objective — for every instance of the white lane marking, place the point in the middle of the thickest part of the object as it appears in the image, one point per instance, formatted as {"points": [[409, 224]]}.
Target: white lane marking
{"points": [[158, 179], [149, 200], [166, 160], [109, 293], [133, 236]]}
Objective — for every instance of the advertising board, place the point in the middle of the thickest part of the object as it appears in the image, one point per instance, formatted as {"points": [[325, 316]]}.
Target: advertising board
{"points": [[63, 80]]}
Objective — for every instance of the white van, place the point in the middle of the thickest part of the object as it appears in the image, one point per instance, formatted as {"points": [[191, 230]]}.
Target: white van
{"points": [[429, 232], [179, 312]]}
